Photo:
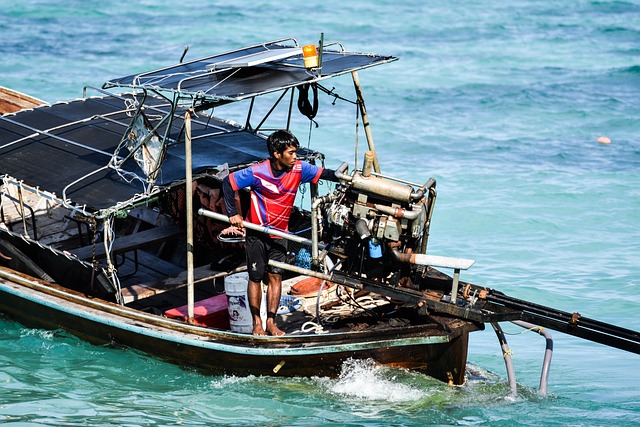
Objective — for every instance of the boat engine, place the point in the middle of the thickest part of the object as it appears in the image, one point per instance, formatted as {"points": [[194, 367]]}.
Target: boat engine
{"points": [[375, 225]]}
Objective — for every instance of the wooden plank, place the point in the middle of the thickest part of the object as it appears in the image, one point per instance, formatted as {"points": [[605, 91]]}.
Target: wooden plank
{"points": [[160, 267], [144, 290], [443, 261], [138, 240], [12, 101], [136, 292]]}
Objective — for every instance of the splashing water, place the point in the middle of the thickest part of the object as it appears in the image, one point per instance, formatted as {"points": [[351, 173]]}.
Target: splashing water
{"points": [[363, 379]]}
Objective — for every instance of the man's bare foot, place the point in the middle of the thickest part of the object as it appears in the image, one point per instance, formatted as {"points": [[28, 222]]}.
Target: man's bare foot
{"points": [[274, 331], [258, 330]]}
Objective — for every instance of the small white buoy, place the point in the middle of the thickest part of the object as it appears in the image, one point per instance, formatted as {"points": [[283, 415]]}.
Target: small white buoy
{"points": [[604, 140]]}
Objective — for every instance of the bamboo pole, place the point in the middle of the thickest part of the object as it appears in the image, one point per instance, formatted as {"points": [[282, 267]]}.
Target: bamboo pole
{"points": [[189, 208], [365, 120]]}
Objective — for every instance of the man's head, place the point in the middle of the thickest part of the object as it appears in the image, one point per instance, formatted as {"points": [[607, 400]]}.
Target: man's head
{"points": [[279, 141]]}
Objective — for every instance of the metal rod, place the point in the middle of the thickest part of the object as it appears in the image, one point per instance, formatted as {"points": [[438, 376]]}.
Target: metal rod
{"points": [[571, 323], [189, 192], [273, 107], [365, 120], [51, 135], [247, 124], [320, 49], [548, 352], [184, 53], [33, 215], [291, 99], [22, 215], [506, 354], [266, 230], [303, 271], [315, 218], [454, 286]]}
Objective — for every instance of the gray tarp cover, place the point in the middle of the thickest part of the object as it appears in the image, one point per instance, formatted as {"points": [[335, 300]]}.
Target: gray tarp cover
{"points": [[52, 161]]}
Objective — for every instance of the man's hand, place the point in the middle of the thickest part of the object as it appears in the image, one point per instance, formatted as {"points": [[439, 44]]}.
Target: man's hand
{"points": [[236, 221]]}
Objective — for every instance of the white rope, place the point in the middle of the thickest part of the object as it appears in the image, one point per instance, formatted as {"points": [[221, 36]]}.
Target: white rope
{"points": [[111, 269], [332, 315], [314, 327]]}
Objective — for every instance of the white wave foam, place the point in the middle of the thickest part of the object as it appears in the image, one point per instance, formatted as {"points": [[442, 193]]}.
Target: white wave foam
{"points": [[364, 379]]}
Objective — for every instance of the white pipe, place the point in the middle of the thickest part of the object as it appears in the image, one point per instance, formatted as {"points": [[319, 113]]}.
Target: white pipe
{"points": [[398, 212], [506, 354], [433, 260], [266, 230], [315, 216], [548, 353]]}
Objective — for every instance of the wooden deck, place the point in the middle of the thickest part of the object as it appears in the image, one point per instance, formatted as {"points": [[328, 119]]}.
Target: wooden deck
{"points": [[132, 242], [158, 285]]}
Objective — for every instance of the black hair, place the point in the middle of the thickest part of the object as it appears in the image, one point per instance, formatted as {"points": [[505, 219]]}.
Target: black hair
{"points": [[280, 140]]}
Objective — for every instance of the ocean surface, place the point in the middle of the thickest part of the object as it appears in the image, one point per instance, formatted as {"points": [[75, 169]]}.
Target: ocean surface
{"points": [[502, 102]]}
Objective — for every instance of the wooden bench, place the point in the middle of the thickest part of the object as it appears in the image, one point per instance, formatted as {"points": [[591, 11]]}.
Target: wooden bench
{"points": [[152, 264], [131, 242]]}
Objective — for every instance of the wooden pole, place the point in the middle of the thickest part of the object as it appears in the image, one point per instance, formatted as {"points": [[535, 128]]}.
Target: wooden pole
{"points": [[365, 120], [189, 213]]}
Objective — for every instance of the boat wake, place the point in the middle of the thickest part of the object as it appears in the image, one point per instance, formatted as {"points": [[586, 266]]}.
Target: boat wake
{"points": [[365, 380]]}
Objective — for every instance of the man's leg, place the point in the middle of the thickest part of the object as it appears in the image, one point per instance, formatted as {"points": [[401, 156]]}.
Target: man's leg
{"points": [[256, 263], [273, 302], [255, 299]]}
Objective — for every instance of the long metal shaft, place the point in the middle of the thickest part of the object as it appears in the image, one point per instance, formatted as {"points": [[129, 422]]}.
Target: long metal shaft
{"points": [[266, 230], [571, 323]]}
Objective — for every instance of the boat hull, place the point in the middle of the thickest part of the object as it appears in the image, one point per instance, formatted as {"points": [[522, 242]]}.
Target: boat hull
{"points": [[12, 101], [35, 303]]}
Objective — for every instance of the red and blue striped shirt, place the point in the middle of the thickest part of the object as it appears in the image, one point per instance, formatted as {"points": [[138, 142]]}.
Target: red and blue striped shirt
{"points": [[272, 197]]}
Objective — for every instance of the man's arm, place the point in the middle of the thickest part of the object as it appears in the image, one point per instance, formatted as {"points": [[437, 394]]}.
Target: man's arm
{"points": [[329, 175], [230, 203]]}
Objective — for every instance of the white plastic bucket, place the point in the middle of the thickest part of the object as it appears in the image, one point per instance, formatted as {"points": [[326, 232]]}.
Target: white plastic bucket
{"points": [[240, 319]]}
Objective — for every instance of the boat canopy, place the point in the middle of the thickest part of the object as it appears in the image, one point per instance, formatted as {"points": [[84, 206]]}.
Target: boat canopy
{"points": [[249, 72], [102, 154], [71, 150]]}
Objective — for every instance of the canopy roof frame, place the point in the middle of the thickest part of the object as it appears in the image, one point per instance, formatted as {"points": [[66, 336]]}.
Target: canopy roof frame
{"points": [[81, 134], [175, 78]]}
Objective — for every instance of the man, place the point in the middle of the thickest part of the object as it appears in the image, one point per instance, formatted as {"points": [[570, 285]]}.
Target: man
{"points": [[274, 184]]}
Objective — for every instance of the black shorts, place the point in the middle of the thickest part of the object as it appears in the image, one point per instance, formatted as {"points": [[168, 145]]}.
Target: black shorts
{"points": [[260, 249]]}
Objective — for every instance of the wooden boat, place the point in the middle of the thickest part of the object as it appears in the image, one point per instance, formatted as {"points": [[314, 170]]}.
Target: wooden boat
{"points": [[95, 231], [112, 217], [12, 101]]}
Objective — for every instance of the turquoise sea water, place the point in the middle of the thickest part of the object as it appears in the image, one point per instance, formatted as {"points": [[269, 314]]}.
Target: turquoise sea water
{"points": [[502, 103]]}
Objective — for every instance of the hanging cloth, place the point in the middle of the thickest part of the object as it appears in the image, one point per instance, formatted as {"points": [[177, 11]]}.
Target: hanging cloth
{"points": [[304, 105]]}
